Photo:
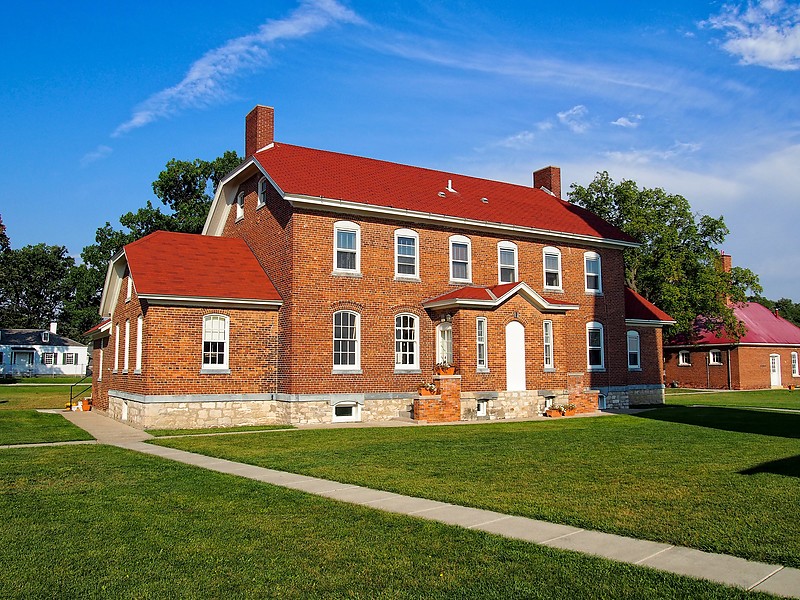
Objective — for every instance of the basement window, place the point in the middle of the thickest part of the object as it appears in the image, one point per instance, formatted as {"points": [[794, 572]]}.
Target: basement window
{"points": [[346, 412], [480, 408]]}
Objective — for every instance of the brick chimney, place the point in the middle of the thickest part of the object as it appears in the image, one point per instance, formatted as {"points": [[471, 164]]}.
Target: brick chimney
{"points": [[550, 178], [725, 261], [259, 129]]}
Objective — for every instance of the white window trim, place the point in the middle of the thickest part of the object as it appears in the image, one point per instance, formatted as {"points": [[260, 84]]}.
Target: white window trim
{"points": [[263, 187], [130, 288], [587, 256], [116, 348], [510, 246], [240, 206], [687, 362], [602, 365], [548, 353], [356, 413], [127, 347], [440, 357], [711, 360], [630, 336], [556, 252], [481, 368], [139, 327], [399, 367], [795, 365], [100, 368], [408, 233], [460, 239], [224, 366], [356, 368], [480, 408], [351, 227]]}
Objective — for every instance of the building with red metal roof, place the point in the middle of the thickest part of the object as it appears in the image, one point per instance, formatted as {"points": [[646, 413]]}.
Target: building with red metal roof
{"points": [[326, 287]]}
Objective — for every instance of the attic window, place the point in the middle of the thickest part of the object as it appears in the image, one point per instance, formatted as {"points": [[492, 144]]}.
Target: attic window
{"points": [[45, 336], [262, 192], [130, 288], [240, 206]]}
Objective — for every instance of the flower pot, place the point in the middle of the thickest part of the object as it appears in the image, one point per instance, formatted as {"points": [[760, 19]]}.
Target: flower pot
{"points": [[569, 413], [447, 371], [86, 405], [425, 392], [552, 412]]}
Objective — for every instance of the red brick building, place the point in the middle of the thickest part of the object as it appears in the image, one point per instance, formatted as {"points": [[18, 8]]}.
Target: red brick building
{"points": [[373, 272]]}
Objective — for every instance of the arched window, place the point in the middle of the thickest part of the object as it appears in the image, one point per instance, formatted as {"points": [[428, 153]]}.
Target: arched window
{"points": [[406, 254], [593, 273], [547, 331], [507, 262], [406, 343], [346, 340], [460, 259], [552, 268], [482, 360], [240, 206], [139, 328], [444, 343], [795, 366], [346, 247], [595, 347], [263, 186], [215, 342], [634, 353]]}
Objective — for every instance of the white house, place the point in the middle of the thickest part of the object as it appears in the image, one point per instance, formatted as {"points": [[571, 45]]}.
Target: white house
{"points": [[28, 352]]}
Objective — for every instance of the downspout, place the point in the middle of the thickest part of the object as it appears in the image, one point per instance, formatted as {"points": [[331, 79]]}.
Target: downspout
{"points": [[708, 372], [729, 369]]}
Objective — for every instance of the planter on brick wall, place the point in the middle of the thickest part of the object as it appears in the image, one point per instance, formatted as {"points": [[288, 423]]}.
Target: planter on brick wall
{"points": [[552, 412]]}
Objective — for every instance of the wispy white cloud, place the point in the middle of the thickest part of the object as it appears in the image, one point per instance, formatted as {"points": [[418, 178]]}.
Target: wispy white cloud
{"points": [[575, 118], [98, 153], [764, 33], [520, 140], [204, 83], [629, 122], [651, 154]]}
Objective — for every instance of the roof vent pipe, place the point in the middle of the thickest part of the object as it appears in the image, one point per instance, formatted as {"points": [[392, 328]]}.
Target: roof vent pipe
{"points": [[450, 186]]}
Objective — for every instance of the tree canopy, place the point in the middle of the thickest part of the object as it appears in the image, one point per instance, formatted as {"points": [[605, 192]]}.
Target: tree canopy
{"points": [[677, 267]]}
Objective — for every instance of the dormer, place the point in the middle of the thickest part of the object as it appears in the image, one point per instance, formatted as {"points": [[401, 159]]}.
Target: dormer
{"points": [[45, 337]]}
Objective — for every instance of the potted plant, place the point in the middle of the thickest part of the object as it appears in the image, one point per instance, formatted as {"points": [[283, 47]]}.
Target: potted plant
{"points": [[569, 409], [554, 411], [427, 389], [444, 368]]}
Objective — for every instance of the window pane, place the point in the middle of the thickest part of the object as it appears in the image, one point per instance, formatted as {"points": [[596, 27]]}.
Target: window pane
{"points": [[594, 338], [633, 359], [593, 266], [551, 262], [459, 270], [346, 260], [346, 240], [595, 357], [507, 258], [460, 252]]}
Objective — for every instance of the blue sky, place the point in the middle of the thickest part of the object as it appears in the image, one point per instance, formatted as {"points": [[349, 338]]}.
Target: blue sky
{"points": [[700, 98]]}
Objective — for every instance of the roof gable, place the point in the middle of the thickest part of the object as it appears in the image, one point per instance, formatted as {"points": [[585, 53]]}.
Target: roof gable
{"points": [[639, 310], [472, 296]]}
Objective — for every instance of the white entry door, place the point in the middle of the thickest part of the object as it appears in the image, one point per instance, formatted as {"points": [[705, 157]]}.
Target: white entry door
{"points": [[775, 370], [515, 356]]}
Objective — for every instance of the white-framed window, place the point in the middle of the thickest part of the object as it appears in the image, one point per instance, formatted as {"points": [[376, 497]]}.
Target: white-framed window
{"points": [[346, 340], [406, 254], [406, 343], [480, 408], [240, 206], [634, 353], [460, 258], [215, 342], [547, 335], [129, 292], [444, 343], [100, 367], [70, 358], [593, 273], [595, 347], [601, 402], [507, 262], [482, 360], [346, 412], [45, 337], [346, 247], [116, 347], [795, 366], [49, 358], [715, 357], [684, 358], [127, 347], [263, 188], [139, 328], [552, 268]]}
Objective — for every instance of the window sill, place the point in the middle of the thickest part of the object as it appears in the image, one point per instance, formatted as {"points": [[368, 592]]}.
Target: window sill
{"points": [[137, 372], [483, 370], [407, 279], [124, 371], [593, 293], [549, 369], [223, 371], [715, 364], [260, 206], [239, 219], [354, 274], [407, 371], [554, 289], [684, 365], [460, 281], [596, 369], [114, 372], [347, 372], [634, 369]]}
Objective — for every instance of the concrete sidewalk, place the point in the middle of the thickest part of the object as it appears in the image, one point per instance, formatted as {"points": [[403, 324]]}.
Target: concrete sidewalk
{"points": [[729, 570]]}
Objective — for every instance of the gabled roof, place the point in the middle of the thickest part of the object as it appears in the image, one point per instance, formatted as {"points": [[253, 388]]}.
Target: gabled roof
{"points": [[640, 311], [763, 326], [490, 297], [342, 182], [169, 267], [33, 337]]}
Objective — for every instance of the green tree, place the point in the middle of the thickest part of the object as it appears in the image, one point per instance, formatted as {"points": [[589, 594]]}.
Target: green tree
{"points": [[33, 285], [677, 267], [5, 244]]}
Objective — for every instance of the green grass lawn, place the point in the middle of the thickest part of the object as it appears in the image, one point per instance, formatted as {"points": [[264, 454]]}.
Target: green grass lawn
{"points": [[34, 396], [215, 430], [31, 427], [759, 398], [64, 379], [102, 522], [718, 479]]}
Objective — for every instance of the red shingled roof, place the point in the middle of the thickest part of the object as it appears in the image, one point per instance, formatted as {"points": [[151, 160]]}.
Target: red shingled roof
{"points": [[763, 327], [196, 266], [640, 308], [318, 173], [492, 294]]}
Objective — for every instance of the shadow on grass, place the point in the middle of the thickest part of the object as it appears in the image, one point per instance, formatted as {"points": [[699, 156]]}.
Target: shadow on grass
{"points": [[776, 424], [789, 467]]}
